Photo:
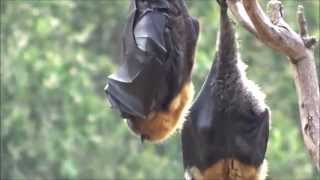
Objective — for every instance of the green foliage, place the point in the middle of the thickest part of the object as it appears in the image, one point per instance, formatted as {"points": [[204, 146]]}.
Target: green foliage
{"points": [[55, 57]]}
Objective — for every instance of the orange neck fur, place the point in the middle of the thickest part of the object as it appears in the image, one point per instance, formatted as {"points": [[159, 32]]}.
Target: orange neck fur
{"points": [[158, 126]]}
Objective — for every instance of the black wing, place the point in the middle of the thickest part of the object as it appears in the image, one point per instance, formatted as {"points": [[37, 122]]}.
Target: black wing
{"points": [[135, 87]]}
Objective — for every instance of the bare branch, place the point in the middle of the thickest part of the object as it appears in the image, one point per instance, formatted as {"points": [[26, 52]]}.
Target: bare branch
{"points": [[309, 104], [261, 22], [238, 11], [309, 42], [275, 11], [302, 21], [276, 33]]}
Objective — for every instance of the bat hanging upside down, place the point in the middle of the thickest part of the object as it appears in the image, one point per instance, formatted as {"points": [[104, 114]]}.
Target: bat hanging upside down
{"points": [[225, 136], [152, 88]]}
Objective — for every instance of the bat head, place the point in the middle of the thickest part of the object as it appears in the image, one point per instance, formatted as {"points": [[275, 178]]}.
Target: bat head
{"points": [[160, 125], [152, 88]]}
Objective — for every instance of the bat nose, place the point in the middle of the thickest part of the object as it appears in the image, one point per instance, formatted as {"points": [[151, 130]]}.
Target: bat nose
{"points": [[143, 137]]}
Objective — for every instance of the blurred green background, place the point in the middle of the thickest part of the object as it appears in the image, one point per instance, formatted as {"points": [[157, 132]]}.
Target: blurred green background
{"points": [[55, 123]]}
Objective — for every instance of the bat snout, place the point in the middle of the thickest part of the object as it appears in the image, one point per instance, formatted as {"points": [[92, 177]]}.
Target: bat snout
{"points": [[131, 122], [134, 124]]}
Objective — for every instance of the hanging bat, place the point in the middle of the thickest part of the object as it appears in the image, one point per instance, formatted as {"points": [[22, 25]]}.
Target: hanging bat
{"points": [[225, 136], [152, 88]]}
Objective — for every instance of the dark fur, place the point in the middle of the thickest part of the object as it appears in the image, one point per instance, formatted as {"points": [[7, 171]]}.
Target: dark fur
{"points": [[184, 31], [164, 120], [226, 108]]}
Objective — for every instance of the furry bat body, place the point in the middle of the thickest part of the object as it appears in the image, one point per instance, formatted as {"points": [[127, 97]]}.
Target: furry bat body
{"points": [[225, 137]]}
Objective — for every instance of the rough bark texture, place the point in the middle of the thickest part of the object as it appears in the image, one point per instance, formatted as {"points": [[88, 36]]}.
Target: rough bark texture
{"points": [[273, 31]]}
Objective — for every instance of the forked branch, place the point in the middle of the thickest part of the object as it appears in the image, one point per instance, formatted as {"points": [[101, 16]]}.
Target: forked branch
{"points": [[273, 31], [240, 14]]}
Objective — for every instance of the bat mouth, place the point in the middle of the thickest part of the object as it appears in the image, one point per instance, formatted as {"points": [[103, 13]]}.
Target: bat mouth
{"points": [[136, 125], [158, 126]]}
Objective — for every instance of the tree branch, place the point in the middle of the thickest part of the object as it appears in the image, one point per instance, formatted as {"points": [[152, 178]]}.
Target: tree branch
{"points": [[277, 34], [302, 22], [308, 41], [238, 11]]}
